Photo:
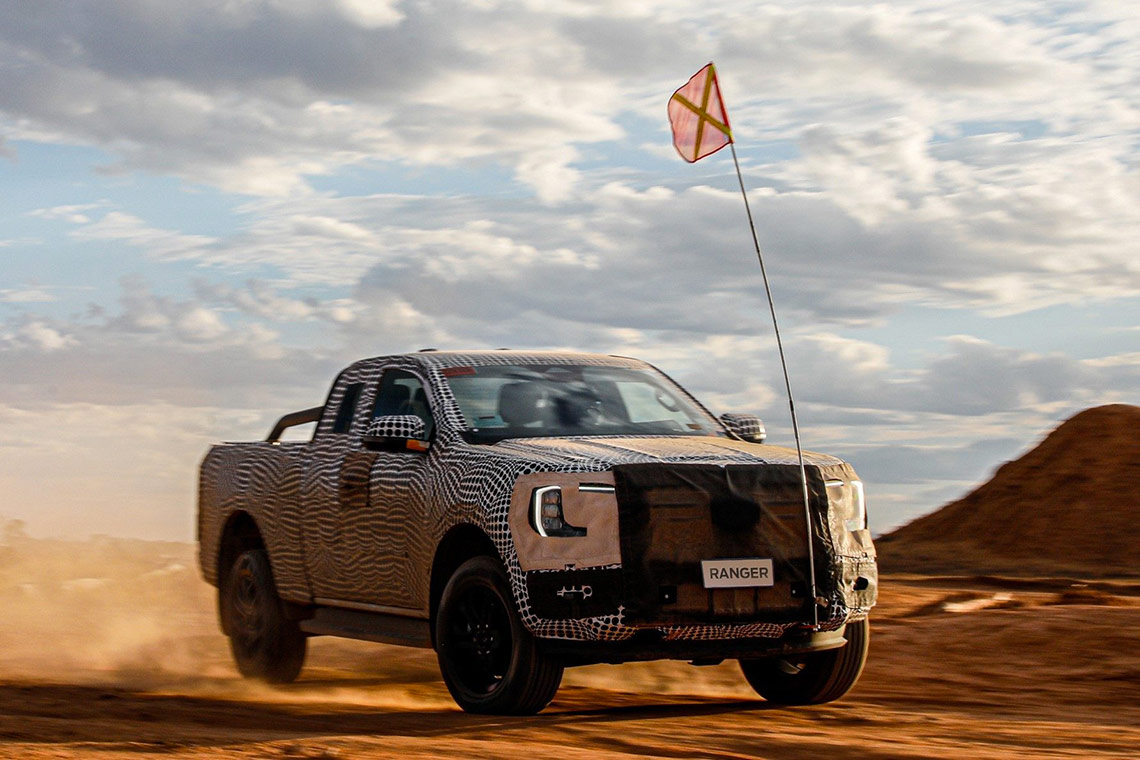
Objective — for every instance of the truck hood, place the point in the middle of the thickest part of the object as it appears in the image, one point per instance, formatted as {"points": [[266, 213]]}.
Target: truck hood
{"points": [[604, 452]]}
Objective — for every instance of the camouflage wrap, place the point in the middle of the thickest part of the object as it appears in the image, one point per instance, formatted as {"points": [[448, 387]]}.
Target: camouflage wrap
{"points": [[341, 522]]}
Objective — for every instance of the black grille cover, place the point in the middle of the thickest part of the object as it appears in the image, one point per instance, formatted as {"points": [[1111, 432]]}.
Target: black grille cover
{"points": [[672, 516]]}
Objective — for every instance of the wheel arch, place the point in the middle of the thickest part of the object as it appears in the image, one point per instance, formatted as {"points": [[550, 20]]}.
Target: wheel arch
{"points": [[461, 543], [239, 534]]}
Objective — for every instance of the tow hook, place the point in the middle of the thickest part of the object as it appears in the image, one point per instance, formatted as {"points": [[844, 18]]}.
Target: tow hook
{"points": [[576, 592]]}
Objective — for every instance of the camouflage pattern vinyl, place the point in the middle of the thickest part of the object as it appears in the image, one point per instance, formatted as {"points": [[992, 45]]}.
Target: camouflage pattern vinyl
{"points": [[341, 522]]}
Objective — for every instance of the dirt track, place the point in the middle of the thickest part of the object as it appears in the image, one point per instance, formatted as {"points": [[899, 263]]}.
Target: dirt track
{"points": [[131, 666]]}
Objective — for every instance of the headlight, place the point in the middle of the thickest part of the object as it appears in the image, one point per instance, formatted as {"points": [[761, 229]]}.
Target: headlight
{"points": [[856, 517], [546, 514], [858, 514]]}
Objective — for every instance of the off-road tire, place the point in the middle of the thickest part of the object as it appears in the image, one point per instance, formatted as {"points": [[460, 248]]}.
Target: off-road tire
{"points": [[266, 645], [489, 660], [814, 678]]}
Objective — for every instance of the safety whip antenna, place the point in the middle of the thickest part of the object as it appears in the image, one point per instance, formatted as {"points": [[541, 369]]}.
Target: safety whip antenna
{"points": [[700, 127]]}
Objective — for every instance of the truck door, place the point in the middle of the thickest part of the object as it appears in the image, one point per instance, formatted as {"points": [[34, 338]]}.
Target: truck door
{"points": [[336, 442], [367, 508], [389, 511]]}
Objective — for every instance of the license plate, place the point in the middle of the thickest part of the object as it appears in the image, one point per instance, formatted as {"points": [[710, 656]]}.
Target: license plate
{"points": [[737, 573]]}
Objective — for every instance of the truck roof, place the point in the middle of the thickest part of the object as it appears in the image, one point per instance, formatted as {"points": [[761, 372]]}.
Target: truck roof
{"points": [[483, 358]]}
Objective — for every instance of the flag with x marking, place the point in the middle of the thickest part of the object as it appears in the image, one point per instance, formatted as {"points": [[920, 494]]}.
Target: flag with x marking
{"points": [[697, 115]]}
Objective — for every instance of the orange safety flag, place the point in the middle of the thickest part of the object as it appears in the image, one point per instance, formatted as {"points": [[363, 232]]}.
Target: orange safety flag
{"points": [[697, 115]]}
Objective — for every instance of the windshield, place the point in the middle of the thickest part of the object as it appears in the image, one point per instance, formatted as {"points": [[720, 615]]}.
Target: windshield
{"points": [[535, 400]]}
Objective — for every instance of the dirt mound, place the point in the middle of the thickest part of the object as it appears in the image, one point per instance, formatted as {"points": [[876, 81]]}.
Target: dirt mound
{"points": [[1071, 505]]}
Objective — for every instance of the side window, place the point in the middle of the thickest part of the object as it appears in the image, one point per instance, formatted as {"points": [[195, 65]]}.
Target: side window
{"points": [[401, 392], [347, 408]]}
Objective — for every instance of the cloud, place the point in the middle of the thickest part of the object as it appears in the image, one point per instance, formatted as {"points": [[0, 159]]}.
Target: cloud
{"points": [[119, 226], [874, 175], [40, 336], [549, 173], [74, 213], [691, 248], [26, 295], [157, 348], [923, 465], [920, 234], [970, 377], [977, 377], [255, 97], [199, 324], [260, 299], [327, 227], [865, 46], [371, 14]]}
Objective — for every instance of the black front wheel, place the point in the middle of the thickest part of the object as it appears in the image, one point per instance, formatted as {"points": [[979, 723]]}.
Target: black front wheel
{"points": [[489, 661], [265, 644], [813, 678]]}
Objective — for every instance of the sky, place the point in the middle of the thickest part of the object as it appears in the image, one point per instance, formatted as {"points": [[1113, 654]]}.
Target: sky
{"points": [[209, 208]]}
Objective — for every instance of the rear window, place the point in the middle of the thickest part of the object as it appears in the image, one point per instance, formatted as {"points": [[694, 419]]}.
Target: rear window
{"points": [[347, 408]]}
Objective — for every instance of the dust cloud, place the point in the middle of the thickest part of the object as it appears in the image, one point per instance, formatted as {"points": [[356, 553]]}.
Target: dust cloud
{"points": [[106, 609], [137, 614]]}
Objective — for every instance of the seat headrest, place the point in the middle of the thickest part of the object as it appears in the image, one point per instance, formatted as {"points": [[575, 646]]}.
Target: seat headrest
{"points": [[519, 403]]}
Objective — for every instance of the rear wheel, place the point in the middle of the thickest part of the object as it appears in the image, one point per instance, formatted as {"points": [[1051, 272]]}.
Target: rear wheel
{"points": [[489, 661], [265, 644], [813, 678]]}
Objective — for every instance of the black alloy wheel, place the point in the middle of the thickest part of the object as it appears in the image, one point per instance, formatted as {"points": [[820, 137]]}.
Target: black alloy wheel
{"points": [[489, 661], [481, 633], [265, 644]]}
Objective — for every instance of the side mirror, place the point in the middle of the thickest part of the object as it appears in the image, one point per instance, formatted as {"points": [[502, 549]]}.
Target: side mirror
{"points": [[746, 427], [395, 431]]}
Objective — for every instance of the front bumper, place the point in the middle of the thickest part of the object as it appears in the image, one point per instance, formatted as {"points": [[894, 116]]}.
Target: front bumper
{"points": [[673, 516], [650, 644]]}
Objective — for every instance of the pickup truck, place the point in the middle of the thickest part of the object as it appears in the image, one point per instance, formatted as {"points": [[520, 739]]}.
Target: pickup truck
{"points": [[523, 512]]}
